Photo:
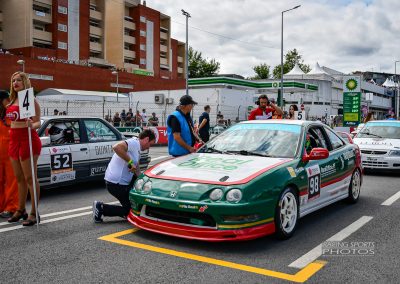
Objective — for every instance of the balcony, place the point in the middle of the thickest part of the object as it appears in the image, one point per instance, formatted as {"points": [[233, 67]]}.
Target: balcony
{"points": [[1, 37], [163, 48], [129, 53], [46, 2], [96, 60], [94, 46], [1, 17], [129, 39], [132, 3], [180, 70], [130, 67], [96, 15], [129, 25], [163, 35], [180, 59], [95, 31], [163, 61], [42, 35], [42, 17]]}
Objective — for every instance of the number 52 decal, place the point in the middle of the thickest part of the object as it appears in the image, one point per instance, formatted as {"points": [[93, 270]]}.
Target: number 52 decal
{"points": [[61, 161]]}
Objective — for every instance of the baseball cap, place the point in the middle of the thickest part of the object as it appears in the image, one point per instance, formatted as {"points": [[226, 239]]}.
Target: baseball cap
{"points": [[186, 100]]}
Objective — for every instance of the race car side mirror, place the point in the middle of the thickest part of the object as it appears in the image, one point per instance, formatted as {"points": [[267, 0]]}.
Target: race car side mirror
{"points": [[316, 154]]}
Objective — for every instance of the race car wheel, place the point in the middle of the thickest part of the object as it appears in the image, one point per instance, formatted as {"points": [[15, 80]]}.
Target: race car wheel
{"points": [[286, 214], [354, 187]]}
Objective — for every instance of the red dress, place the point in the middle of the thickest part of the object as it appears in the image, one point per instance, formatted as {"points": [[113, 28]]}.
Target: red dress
{"points": [[8, 182], [19, 138]]}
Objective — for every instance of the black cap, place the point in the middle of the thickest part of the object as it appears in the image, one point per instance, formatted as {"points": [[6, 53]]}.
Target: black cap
{"points": [[3, 94], [186, 100]]}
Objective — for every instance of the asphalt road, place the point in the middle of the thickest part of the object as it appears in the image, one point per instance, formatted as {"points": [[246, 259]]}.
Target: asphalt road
{"points": [[66, 246]]}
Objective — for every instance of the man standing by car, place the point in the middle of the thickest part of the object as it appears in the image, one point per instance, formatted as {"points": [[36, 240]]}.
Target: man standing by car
{"points": [[204, 127], [181, 137], [265, 110], [121, 173]]}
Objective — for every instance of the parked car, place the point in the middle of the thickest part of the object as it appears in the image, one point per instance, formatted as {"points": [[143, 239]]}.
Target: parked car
{"points": [[77, 149], [254, 179], [379, 142]]}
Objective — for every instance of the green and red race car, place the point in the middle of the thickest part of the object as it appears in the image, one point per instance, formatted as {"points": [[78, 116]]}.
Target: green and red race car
{"points": [[254, 179]]}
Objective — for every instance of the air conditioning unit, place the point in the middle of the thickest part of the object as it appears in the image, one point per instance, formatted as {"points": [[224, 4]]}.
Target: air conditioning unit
{"points": [[169, 101], [159, 98]]}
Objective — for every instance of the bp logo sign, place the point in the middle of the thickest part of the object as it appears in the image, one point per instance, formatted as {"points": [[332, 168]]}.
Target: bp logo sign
{"points": [[351, 84], [275, 85]]}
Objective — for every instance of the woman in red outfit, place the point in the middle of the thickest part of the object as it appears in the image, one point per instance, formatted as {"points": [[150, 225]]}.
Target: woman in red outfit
{"points": [[8, 183], [19, 152]]}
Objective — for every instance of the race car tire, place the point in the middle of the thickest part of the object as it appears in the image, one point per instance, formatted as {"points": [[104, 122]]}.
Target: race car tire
{"points": [[286, 214], [354, 187]]}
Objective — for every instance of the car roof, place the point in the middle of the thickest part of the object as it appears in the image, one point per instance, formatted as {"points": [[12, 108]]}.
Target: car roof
{"points": [[68, 117], [384, 121], [281, 121]]}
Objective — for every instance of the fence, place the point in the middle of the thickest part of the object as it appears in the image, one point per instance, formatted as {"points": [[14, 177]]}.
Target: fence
{"points": [[101, 109]]}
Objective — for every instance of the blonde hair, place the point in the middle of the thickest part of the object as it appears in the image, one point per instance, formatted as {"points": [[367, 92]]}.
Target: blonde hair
{"points": [[25, 81]]}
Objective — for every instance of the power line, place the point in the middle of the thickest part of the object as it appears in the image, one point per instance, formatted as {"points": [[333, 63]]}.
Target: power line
{"points": [[227, 37]]}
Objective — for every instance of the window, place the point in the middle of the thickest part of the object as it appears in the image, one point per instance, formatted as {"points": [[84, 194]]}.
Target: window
{"points": [[97, 131], [142, 33], [315, 139], [143, 61], [62, 10], [142, 47], [142, 19], [62, 45], [62, 28], [63, 132], [335, 140]]}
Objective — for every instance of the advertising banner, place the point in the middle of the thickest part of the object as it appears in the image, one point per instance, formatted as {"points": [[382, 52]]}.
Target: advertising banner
{"points": [[351, 100]]}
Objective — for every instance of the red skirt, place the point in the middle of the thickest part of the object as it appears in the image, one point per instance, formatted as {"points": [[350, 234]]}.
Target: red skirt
{"points": [[19, 144]]}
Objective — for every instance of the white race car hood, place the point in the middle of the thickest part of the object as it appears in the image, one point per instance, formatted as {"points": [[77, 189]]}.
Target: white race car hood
{"points": [[377, 143], [214, 168]]}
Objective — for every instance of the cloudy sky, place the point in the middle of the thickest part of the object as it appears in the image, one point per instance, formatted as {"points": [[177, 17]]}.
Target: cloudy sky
{"points": [[341, 34]]}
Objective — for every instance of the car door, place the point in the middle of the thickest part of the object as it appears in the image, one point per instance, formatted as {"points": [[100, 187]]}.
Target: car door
{"points": [[318, 172], [101, 138], [64, 160]]}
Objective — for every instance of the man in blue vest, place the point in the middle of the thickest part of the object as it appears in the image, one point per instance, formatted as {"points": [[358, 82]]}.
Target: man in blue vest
{"points": [[181, 138]]}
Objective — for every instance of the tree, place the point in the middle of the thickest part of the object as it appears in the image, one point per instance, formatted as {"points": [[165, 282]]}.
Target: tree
{"points": [[200, 67], [291, 58], [262, 71]]}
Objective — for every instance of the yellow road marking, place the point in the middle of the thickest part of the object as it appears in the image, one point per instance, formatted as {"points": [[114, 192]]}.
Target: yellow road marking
{"points": [[301, 276]]}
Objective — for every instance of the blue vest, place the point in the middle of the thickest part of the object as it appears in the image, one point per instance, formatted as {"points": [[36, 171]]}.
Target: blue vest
{"points": [[174, 148]]}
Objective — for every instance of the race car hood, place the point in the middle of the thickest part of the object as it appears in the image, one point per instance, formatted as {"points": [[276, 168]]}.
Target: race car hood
{"points": [[377, 143], [208, 168]]}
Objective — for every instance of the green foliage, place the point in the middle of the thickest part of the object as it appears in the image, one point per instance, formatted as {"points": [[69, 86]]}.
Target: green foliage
{"points": [[200, 67], [291, 58], [262, 71]]}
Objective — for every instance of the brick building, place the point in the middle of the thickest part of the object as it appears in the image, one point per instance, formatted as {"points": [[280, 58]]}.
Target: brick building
{"points": [[74, 43]]}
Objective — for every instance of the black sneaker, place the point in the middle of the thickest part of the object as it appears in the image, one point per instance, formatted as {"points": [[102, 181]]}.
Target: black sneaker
{"points": [[97, 211]]}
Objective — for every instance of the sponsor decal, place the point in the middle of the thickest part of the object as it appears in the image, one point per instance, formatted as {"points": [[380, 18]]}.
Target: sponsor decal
{"points": [[156, 202], [203, 208], [187, 206], [59, 150], [303, 200], [328, 170], [226, 164], [348, 155], [314, 182], [173, 194], [298, 170], [98, 170], [62, 176], [103, 150], [291, 172]]}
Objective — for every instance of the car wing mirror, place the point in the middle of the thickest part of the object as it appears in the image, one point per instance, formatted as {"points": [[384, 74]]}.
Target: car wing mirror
{"points": [[45, 140], [316, 154]]}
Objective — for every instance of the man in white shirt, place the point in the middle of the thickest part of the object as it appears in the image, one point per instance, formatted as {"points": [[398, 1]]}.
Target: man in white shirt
{"points": [[144, 117], [121, 172]]}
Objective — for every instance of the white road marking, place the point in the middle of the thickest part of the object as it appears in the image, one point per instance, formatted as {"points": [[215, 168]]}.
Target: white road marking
{"points": [[59, 213], [391, 199], [317, 251]]}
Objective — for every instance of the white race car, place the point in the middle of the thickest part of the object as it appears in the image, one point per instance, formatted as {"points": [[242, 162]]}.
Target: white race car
{"points": [[379, 142]]}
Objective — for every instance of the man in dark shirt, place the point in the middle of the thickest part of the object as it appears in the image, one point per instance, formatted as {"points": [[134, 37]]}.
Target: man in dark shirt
{"points": [[153, 120], [204, 127], [181, 137]]}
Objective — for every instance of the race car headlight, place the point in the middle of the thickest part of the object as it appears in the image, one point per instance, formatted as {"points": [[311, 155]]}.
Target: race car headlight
{"points": [[234, 195], [216, 194], [146, 187], [394, 153], [139, 184]]}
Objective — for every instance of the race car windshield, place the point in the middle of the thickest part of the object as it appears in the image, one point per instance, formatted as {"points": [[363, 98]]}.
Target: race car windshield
{"points": [[380, 130], [269, 140]]}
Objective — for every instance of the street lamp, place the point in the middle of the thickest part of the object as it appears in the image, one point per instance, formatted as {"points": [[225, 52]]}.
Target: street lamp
{"points": [[187, 15], [22, 62], [281, 96], [116, 73], [396, 92]]}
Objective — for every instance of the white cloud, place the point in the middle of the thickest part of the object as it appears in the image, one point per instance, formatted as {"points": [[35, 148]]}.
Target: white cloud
{"points": [[344, 35]]}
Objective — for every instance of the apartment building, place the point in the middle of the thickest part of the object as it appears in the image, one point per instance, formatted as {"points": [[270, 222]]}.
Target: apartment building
{"points": [[123, 34]]}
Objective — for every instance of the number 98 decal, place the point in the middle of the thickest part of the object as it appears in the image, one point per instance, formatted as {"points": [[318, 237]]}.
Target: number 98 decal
{"points": [[61, 161], [314, 181]]}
